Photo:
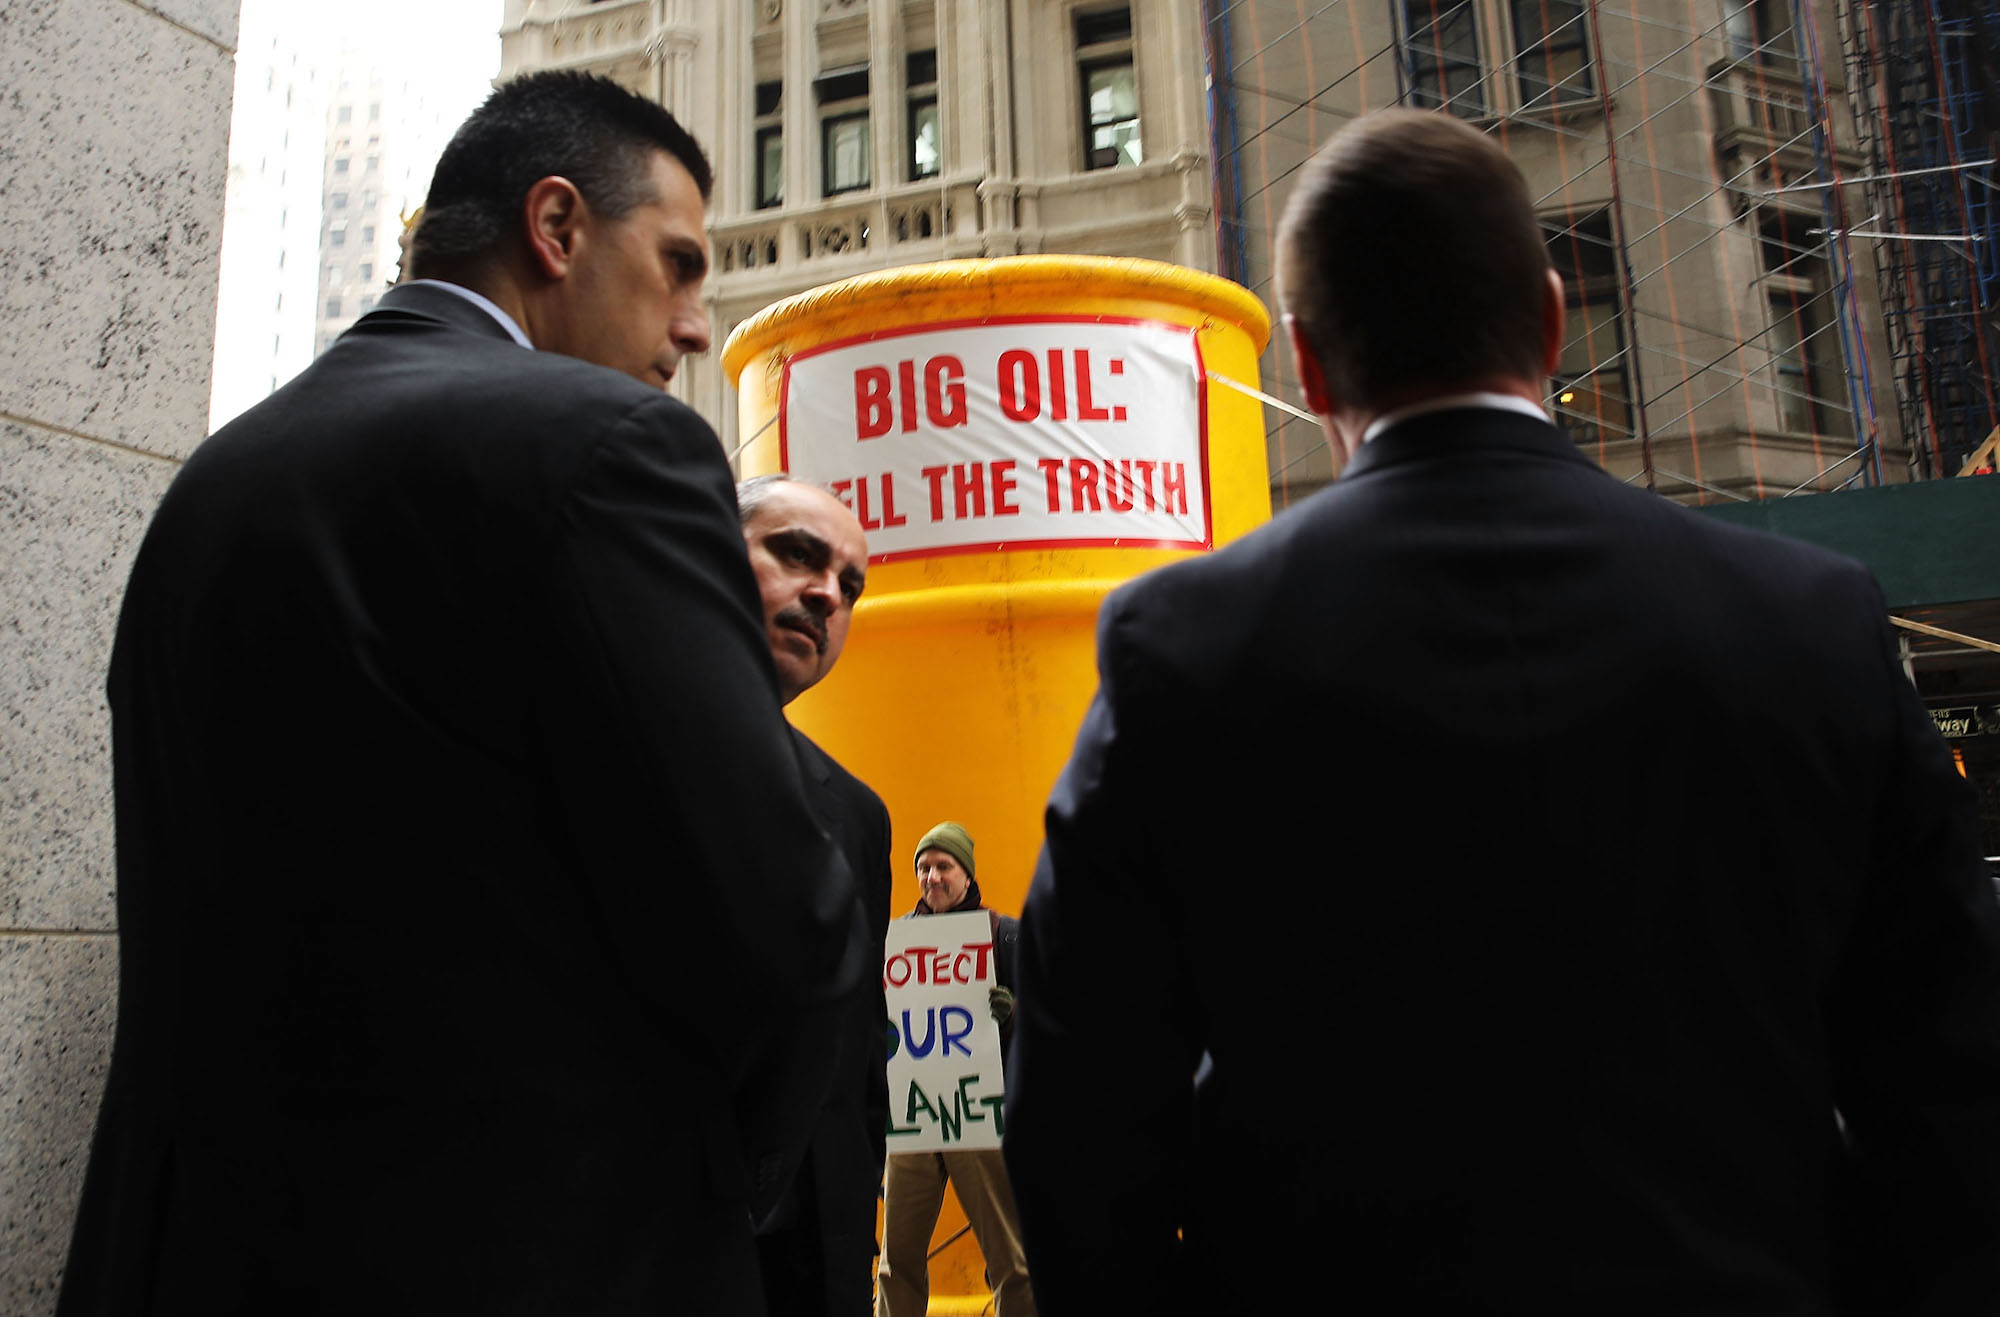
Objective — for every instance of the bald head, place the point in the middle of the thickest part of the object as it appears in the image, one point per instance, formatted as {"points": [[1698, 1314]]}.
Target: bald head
{"points": [[811, 562]]}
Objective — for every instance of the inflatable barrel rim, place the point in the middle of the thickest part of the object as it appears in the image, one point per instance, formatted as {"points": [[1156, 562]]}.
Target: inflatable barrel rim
{"points": [[1123, 278]]}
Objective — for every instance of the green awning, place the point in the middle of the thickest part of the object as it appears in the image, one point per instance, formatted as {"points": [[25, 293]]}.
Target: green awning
{"points": [[1930, 542]]}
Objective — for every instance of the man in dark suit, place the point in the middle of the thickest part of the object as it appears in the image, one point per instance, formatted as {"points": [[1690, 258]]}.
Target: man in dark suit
{"points": [[1489, 888], [469, 891], [817, 1246]]}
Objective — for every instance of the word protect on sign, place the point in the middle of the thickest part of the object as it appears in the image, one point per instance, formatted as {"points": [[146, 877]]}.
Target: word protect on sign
{"points": [[964, 964], [1015, 433]]}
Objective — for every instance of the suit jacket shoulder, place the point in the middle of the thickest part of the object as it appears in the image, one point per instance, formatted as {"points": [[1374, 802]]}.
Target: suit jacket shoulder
{"points": [[830, 771]]}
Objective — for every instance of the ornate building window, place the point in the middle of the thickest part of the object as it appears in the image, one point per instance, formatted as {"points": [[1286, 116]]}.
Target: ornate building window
{"points": [[770, 144], [1441, 56], [1760, 32], [1110, 89], [1537, 53], [1591, 392], [1552, 52], [1807, 372], [845, 147], [920, 87]]}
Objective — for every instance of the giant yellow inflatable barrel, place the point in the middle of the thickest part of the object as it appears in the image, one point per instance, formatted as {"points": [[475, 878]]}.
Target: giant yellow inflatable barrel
{"points": [[1018, 437]]}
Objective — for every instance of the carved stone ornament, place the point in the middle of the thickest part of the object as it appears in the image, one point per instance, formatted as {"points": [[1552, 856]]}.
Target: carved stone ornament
{"points": [[769, 10]]}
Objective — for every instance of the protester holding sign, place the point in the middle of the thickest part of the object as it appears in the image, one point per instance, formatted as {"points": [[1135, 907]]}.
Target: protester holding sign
{"points": [[915, 1182]]}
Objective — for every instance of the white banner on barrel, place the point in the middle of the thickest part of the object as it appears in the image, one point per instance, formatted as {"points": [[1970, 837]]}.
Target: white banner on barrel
{"points": [[1007, 433], [945, 1082]]}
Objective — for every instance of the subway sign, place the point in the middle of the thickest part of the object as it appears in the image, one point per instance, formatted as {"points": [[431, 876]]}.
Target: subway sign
{"points": [[1967, 720]]}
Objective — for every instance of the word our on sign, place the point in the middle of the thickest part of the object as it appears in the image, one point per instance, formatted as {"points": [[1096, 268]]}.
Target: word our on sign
{"points": [[945, 1027], [945, 1077], [1011, 433]]}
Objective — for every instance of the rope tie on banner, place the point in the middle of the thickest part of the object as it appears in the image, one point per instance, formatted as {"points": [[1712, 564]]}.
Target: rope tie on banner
{"points": [[1223, 380], [737, 451], [1263, 397], [1270, 224]]}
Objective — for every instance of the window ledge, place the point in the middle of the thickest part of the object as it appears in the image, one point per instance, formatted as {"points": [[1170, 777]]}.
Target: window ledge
{"points": [[1559, 114], [1115, 175], [1540, 116]]}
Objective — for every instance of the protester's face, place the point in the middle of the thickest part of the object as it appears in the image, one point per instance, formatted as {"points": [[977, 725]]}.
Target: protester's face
{"points": [[811, 561], [941, 879], [632, 298]]}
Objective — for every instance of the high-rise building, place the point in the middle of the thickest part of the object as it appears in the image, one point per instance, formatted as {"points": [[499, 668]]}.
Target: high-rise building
{"points": [[384, 131], [271, 212], [339, 119]]}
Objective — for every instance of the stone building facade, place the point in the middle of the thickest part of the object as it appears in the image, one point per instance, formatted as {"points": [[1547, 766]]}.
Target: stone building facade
{"points": [[114, 137], [1723, 344]]}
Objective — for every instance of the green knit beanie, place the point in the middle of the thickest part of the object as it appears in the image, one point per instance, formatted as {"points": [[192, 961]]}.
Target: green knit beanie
{"points": [[953, 840]]}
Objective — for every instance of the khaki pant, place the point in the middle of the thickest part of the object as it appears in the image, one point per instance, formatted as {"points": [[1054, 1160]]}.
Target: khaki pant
{"points": [[912, 1198]]}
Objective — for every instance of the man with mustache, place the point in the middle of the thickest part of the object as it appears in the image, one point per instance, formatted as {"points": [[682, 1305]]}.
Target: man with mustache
{"points": [[817, 1245]]}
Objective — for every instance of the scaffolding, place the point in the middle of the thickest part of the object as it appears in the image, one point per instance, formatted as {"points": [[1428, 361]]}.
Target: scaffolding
{"points": [[1742, 197], [1923, 76]]}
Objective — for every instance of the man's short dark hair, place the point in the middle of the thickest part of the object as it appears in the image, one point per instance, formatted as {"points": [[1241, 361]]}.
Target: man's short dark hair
{"points": [[577, 126], [1411, 258]]}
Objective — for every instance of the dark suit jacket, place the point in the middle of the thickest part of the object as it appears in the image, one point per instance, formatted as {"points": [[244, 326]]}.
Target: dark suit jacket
{"points": [[817, 1249], [1531, 869], [465, 868]]}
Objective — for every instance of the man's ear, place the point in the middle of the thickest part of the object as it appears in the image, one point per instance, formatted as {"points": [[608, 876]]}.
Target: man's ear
{"points": [[554, 212], [1311, 378], [1552, 324]]}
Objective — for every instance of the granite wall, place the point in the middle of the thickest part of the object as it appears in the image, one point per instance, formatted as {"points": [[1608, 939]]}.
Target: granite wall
{"points": [[114, 133]]}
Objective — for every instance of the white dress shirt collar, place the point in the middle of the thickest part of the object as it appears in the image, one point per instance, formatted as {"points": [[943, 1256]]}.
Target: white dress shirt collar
{"points": [[506, 321], [1503, 402]]}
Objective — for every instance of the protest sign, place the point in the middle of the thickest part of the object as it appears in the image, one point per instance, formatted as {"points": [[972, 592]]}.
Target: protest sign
{"points": [[945, 1084], [1007, 433]]}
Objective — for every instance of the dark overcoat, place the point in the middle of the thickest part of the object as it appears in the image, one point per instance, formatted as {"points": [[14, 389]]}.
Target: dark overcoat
{"points": [[818, 1253], [1490, 888], [468, 889]]}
